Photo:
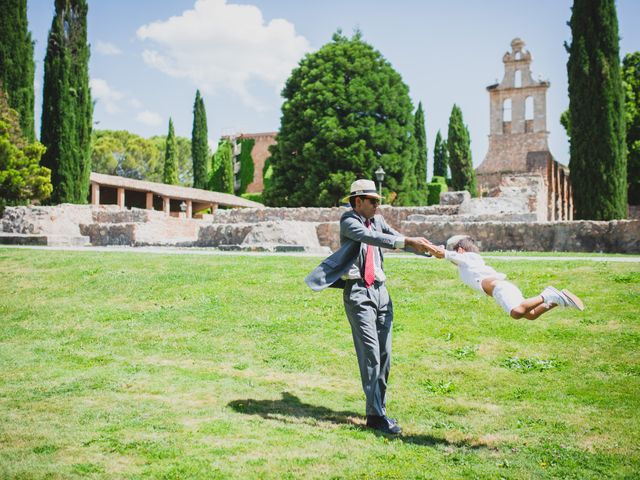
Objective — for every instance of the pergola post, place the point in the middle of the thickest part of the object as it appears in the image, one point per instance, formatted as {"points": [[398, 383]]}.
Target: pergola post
{"points": [[121, 197], [166, 205], [149, 200], [189, 209], [95, 193]]}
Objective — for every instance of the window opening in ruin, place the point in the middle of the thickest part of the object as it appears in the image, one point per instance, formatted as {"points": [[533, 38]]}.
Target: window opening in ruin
{"points": [[518, 79], [528, 108], [528, 115], [506, 110]]}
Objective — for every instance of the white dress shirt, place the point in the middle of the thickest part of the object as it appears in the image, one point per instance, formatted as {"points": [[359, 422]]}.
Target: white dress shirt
{"points": [[472, 268]]}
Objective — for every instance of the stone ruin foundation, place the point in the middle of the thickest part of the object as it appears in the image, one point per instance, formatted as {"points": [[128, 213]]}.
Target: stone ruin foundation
{"points": [[507, 223]]}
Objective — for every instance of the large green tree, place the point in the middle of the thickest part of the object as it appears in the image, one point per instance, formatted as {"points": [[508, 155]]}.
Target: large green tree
{"points": [[22, 179], [170, 173], [200, 144], [421, 153], [631, 83], [596, 112], [345, 110], [67, 108], [16, 62], [440, 157], [463, 176]]}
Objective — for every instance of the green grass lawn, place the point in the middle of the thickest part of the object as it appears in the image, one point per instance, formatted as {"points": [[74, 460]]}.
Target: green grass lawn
{"points": [[129, 365]]}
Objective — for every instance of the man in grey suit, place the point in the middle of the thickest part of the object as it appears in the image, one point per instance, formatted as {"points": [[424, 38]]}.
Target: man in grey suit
{"points": [[357, 267]]}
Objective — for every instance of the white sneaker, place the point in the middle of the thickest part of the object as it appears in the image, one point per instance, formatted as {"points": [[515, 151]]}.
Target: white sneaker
{"points": [[553, 295], [572, 300]]}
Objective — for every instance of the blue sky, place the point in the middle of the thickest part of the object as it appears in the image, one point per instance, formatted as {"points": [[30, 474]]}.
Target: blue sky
{"points": [[148, 57]]}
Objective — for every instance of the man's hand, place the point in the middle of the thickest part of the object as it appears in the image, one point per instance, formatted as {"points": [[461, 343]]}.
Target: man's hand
{"points": [[419, 244]]}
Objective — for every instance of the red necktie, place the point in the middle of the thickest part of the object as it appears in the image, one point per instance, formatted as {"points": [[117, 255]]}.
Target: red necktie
{"points": [[369, 268]]}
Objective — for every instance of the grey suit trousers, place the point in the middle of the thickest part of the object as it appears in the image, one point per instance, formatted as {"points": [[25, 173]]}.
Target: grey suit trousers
{"points": [[370, 313]]}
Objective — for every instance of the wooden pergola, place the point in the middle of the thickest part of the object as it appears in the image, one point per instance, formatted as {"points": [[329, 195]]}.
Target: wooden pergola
{"points": [[171, 199]]}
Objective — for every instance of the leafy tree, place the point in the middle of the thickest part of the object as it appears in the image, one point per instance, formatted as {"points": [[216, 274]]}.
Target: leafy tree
{"points": [[118, 152], [247, 168], [22, 179], [463, 176], [67, 108], [16, 62], [345, 110], [222, 169], [199, 144], [631, 83], [596, 112], [170, 174], [440, 157], [334, 188], [421, 145], [183, 157]]}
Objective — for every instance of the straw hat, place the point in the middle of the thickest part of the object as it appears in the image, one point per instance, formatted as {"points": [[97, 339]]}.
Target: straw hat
{"points": [[363, 187]]}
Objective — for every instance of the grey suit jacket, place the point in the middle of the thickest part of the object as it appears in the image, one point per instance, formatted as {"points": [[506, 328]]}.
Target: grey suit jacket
{"points": [[354, 236]]}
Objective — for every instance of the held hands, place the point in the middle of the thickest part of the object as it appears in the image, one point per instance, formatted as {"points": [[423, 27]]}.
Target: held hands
{"points": [[436, 250], [422, 245], [419, 244]]}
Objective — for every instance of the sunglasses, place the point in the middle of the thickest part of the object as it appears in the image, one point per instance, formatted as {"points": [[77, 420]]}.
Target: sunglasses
{"points": [[374, 201]]}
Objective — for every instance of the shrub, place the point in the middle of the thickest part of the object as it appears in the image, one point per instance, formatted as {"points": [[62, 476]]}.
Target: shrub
{"points": [[436, 187]]}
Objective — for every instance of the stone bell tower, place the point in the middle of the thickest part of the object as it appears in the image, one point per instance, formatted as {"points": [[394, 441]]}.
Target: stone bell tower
{"points": [[518, 133]]}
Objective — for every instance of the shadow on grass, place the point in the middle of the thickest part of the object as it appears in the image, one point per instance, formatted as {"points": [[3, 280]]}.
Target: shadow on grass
{"points": [[290, 409]]}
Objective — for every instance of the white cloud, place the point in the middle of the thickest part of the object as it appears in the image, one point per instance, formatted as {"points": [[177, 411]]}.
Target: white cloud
{"points": [[106, 48], [149, 118], [220, 46], [109, 97]]}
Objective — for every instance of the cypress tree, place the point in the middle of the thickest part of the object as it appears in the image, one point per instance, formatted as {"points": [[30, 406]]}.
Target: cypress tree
{"points": [[199, 144], [463, 176], [170, 174], [16, 62], [222, 178], [440, 157], [596, 112], [631, 82], [421, 145], [67, 108]]}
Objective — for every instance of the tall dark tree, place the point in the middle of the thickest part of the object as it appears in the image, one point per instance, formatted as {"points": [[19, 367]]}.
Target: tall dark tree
{"points": [[463, 176], [16, 62], [421, 151], [200, 144], [596, 112], [222, 178], [67, 108], [440, 157], [170, 174], [345, 110], [631, 82]]}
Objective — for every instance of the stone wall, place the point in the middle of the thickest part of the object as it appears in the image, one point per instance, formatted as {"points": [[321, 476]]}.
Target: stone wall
{"points": [[393, 215], [309, 229], [619, 236]]}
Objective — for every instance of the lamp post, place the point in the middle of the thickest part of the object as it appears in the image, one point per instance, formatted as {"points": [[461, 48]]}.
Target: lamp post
{"points": [[183, 207], [380, 176]]}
